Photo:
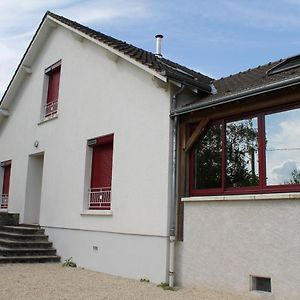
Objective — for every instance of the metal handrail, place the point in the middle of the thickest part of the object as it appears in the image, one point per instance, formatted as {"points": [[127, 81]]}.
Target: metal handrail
{"points": [[100, 198], [50, 109], [4, 201]]}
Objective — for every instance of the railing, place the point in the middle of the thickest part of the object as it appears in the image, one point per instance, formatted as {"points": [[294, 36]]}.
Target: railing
{"points": [[50, 109], [4, 201], [99, 198]]}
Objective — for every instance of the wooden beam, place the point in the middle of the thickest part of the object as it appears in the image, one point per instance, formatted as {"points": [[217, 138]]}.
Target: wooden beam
{"points": [[182, 179], [266, 101], [195, 135]]}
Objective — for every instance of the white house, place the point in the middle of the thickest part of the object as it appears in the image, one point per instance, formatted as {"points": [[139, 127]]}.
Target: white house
{"points": [[78, 103], [118, 152]]}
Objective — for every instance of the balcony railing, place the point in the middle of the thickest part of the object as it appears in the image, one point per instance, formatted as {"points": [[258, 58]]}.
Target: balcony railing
{"points": [[100, 198], [3, 201], [50, 109]]}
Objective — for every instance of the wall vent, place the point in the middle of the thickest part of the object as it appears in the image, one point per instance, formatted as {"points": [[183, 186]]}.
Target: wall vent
{"points": [[261, 284]]}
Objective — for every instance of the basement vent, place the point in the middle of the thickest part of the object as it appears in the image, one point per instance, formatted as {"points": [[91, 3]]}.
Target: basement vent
{"points": [[261, 284]]}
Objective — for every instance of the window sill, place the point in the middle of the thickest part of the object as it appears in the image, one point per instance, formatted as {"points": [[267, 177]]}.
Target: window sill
{"points": [[47, 119], [96, 213], [250, 197], [3, 210]]}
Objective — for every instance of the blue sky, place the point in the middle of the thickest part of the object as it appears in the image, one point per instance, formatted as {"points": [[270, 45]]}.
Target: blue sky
{"points": [[216, 37]]}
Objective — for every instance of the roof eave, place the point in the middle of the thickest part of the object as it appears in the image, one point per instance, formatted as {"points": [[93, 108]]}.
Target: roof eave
{"points": [[190, 82], [47, 22], [109, 48], [237, 96]]}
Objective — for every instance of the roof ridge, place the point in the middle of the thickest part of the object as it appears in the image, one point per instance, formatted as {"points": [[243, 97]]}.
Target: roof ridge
{"points": [[251, 69], [162, 66]]}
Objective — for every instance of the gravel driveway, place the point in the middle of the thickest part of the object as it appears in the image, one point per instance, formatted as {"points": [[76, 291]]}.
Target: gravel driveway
{"points": [[52, 281]]}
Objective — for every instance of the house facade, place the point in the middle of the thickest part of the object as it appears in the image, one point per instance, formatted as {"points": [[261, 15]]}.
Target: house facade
{"points": [[140, 167]]}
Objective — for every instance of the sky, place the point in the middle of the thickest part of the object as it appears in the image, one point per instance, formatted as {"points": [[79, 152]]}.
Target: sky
{"points": [[214, 37]]}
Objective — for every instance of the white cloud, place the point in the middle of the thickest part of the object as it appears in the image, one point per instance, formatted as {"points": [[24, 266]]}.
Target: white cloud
{"points": [[282, 173], [103, 11], [283, 143], [20, 19]]}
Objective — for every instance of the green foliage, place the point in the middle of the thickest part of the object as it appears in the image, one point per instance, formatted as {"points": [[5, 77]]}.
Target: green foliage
{"points": [[69, 263], [209, 159], [241, 145], [295, 177], [144, 280], [241, 155], [165, 286]]}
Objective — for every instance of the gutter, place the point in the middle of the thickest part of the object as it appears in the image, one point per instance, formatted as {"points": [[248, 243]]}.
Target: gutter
{"points": [[205, 87], [237, 96]]}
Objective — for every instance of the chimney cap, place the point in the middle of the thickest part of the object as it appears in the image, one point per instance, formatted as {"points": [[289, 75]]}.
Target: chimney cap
{"points": [[159, 36]]}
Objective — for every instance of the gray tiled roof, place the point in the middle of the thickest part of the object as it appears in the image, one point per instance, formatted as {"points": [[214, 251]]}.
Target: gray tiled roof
{"points": [[278, 74], [163, 66], [252, 78]]}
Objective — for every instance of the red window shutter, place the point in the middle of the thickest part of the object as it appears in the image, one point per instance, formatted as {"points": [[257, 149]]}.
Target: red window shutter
{"points": [[53, 85], [6, 180], [102, 165]]}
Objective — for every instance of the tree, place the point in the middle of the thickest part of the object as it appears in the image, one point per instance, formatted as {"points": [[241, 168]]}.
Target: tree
{"points": [[241, 155]]}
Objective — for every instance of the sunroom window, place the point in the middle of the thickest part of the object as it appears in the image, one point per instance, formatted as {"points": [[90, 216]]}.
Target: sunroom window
{"points": [[208, 159], [255, 153], [283, 148], [242, 153]]}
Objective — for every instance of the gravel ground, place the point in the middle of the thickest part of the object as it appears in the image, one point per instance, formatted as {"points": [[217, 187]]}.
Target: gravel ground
{"points": [[52, 281]]}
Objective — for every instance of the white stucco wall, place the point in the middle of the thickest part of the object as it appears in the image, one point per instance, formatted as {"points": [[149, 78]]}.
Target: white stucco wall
{"points": [[97, 96], [227, 241], [134, 256]]}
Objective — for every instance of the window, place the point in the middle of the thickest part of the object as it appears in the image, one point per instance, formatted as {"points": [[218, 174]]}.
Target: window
{"points": [[6, 167], [53, 76], [255, 153], [101, 172], [261, 284]]}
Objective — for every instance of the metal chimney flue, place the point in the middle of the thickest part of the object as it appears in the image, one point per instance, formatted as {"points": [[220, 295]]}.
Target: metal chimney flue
{"points": [[158, 45]]}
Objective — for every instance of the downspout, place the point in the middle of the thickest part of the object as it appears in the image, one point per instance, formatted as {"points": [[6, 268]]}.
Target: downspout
{"points": [[173, 189]]}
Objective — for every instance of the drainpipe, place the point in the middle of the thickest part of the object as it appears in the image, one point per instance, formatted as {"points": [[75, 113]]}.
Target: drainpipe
{"points": [[173, 189]]}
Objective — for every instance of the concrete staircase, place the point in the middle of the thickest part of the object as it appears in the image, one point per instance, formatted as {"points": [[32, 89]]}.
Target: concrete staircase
{"points": [[25, 244]]}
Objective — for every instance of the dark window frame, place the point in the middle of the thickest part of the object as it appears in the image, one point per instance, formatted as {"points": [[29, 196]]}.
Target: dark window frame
{"points": [[262, 188]]}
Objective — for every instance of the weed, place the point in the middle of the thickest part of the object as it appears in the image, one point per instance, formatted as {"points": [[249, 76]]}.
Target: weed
{"points": [[165, 286], [69, 263]]}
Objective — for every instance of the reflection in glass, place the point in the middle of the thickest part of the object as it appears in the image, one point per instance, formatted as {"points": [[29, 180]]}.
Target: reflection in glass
{"points": [[208, 159], [283, 147], [242, 153]]}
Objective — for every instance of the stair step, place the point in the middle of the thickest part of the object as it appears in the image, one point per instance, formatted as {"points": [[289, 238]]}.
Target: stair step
{"points": [[8, 252], [23, 237], [30, 225], [23, 229], [30, 259], [24, 244]]}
